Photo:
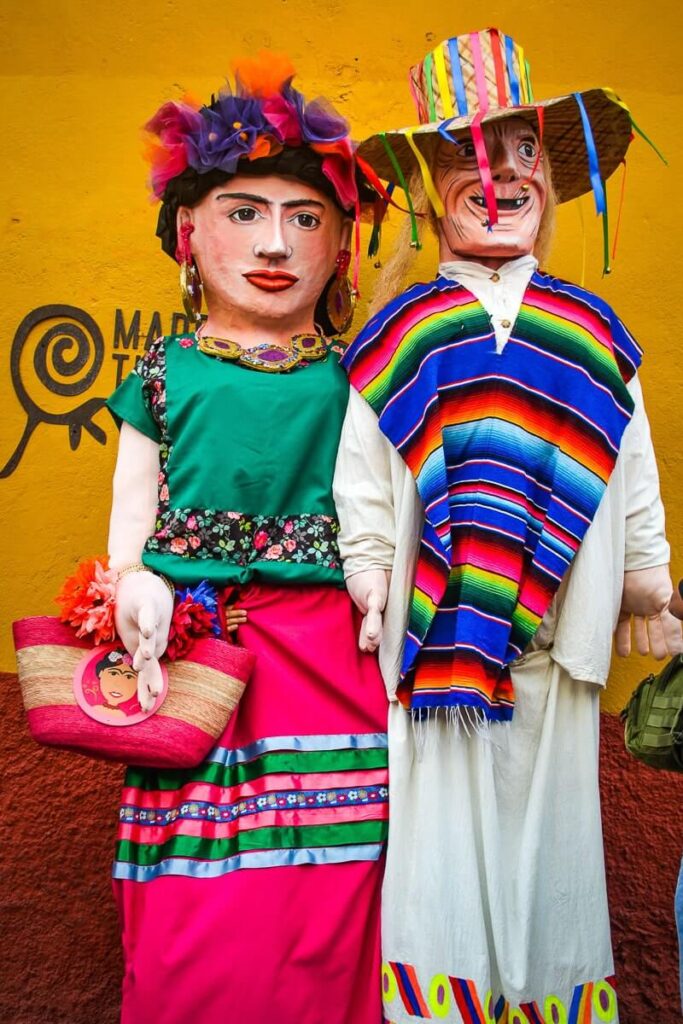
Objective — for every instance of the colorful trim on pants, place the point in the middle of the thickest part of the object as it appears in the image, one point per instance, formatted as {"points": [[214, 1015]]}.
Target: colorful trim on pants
{"points": [[280, 801], [459, 1000]]}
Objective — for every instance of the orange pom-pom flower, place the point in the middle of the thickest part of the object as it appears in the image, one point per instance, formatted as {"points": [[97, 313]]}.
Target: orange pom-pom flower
{"points": [[87, 600]]}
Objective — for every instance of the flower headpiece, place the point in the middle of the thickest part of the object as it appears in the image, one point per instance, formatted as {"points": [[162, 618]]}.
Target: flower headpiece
{"points": [[261, 116]]}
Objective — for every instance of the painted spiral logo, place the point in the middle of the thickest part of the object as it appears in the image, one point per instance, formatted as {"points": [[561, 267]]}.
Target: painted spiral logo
{"points": [[67, 353]]}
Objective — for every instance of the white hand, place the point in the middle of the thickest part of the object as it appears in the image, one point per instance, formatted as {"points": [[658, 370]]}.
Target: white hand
{"points": [[143, 611], [369, 590], [645, 600]]}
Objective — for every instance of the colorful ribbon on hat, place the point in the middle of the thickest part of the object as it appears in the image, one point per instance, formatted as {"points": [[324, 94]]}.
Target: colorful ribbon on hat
{"points": [[430, 188], [484, 169], [596, 179], [610, 93], [415, 237]]}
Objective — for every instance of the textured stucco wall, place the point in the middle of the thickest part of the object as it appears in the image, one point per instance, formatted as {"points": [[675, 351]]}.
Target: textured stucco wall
{"points": [[59, 947]]}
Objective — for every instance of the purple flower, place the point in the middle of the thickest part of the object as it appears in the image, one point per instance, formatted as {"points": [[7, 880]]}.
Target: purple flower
{"points": [[228, 132], [319, 121]]}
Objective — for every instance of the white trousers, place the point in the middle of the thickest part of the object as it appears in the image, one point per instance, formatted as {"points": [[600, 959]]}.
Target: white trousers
{"points": [[494, 897]]}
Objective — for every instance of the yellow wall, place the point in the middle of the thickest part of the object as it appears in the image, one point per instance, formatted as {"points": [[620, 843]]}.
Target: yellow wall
{"points": [[79, 79]]}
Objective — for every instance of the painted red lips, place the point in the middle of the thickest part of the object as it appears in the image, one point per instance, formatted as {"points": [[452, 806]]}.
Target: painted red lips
{"points": [[271, 280]]}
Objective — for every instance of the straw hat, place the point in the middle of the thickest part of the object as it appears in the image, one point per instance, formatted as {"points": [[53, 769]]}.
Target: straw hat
{"points": [[481, 77]]}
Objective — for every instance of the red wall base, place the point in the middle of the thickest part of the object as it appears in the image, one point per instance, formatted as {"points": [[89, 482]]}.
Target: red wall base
{"points": [[642, 813], [59, 936]]}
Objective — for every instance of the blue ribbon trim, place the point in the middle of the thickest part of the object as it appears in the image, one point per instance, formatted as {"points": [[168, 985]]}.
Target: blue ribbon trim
{"points": [[126, 872], [509, 60], [443, 131], [346, 741], [593, 162], [456, 75]]}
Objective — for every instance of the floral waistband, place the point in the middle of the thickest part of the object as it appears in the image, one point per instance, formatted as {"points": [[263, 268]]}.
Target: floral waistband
{"points": [[242, 539]]}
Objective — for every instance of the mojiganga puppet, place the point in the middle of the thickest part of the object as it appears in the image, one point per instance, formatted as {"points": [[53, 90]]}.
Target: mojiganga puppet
{"points": [[497, 434], [249, 886]]}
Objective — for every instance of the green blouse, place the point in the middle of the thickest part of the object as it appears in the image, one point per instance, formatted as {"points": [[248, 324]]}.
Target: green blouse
{"points": [[246, 465]]}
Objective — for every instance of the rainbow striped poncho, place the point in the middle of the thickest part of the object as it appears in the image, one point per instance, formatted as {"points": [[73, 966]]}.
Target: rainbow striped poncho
{"points": [[511, 453]]}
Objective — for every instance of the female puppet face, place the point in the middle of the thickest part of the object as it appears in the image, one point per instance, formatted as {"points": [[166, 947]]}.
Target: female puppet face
{"points": [[512, 148], [266, 247], [118, 683]]}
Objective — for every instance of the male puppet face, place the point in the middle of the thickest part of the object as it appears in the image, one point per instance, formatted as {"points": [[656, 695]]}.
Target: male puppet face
{"points": [[512, 148]]}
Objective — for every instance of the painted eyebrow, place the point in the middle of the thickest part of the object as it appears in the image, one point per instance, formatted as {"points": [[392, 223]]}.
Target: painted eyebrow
{"points": [[266, 202]]}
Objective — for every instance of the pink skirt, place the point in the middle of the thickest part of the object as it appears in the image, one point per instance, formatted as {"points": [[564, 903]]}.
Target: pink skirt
{"points": [[249, 887]]}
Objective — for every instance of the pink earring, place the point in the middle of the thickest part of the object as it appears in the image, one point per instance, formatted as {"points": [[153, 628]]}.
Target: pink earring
{"points": [[190, 281]]}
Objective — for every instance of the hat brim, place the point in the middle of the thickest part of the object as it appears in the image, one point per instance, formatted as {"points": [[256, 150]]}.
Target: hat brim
{"points": [[563, 139]]}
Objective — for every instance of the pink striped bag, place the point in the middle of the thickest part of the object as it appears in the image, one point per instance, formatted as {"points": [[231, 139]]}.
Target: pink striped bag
{"points": [[78, 697]]}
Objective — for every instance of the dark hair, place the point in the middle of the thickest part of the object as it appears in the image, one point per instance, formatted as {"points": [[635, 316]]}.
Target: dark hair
{"points": [[106, 662], [301, 162]]}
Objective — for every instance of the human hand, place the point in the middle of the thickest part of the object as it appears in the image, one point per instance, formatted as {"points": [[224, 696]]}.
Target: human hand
{"points": [[142, 615], [676, 603], [234, 617], [369, 590], [644, 608]]}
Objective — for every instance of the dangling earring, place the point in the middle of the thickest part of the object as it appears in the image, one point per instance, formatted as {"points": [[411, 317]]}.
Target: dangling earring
{"points": [[341, 298], [190, 281]]}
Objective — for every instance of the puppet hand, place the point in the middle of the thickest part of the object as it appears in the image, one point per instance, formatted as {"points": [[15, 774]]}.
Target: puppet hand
{"points": [[369, 590], [645, 598], [143, 611]]}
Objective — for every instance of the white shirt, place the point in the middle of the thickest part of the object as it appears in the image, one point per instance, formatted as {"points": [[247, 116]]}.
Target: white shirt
{"points": [[499, 291]]}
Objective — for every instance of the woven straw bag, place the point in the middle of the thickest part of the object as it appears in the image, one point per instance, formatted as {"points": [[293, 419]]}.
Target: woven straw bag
{"points": [[203, 691]]}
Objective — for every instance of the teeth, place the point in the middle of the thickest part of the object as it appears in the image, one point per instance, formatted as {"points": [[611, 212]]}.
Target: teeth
{"points": [[503, 204]]}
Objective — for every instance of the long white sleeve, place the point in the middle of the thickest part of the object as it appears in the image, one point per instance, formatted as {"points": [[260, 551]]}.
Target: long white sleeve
{"points": [[646, 543], [363, 493], [381, 519]]}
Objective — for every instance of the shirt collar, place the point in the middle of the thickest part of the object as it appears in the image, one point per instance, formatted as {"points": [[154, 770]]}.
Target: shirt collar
{"points": [[519, 268]]}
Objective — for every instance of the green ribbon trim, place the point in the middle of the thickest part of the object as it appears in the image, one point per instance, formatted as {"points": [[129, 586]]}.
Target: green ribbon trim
{"points": [[287, 762], [428, 71], [415, 240], [606, 267], [648, 140], [288, 838]]}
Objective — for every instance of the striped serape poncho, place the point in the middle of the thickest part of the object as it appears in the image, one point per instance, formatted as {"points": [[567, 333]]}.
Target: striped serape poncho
{"points": [[511, 452]]}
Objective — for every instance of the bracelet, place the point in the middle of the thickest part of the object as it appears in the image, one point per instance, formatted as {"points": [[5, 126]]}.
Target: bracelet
{"points": [[140, 567]]}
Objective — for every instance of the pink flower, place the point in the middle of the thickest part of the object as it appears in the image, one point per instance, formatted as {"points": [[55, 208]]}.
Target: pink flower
{"points": [[178, 545], [234, 515], [163, 493], [290, 545], [260, 539], [191, 523], [194, 541], [289, 526], [160, 479], [274, 551], [186, 342]]}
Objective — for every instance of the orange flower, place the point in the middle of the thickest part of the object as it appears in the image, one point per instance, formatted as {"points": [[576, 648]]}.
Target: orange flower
{"points": [[87, 600]]}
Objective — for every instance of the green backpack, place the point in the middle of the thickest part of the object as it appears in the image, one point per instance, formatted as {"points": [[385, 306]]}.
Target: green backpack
{"points": [[653, 718]]}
